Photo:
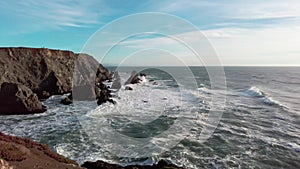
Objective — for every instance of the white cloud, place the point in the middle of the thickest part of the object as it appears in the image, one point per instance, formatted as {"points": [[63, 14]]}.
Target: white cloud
{"points": [[235, 13], [40, 14], [235, 46], [268, 46]]}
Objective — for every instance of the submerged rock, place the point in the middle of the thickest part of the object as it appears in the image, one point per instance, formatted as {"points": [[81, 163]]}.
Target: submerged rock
{"points": [[128, 88], [67, 100]]}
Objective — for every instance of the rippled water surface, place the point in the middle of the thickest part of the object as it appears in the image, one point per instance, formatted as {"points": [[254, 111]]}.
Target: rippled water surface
{"points": [[260, 127]]}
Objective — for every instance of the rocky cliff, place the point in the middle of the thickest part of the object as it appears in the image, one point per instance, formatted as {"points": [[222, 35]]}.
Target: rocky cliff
{"points": [[32, 73]]}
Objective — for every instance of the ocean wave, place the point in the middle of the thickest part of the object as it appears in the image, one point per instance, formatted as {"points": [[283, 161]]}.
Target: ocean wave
{"points": [[258, 93], [255, 92], [204, 90]]}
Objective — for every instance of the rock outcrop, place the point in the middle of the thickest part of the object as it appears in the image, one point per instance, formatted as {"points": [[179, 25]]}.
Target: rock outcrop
{"points": [[18, 99], [128, 88], [21, 153], [103, 165], [104, 94], [67, 100], [133, 79], [49, 72]]}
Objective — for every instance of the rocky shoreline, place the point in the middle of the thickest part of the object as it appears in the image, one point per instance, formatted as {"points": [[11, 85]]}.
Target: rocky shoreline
{"points": [[31, 75], [22, 153]]}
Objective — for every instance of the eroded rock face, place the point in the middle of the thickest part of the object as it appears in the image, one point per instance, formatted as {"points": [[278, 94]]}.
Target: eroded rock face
{"points": [[18, 99], [49, 72], [45, 70]]}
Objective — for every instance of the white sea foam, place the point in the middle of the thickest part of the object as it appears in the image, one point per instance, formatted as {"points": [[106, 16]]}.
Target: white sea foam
{"points": [[266, 99], [255, 92], [144, 103]]}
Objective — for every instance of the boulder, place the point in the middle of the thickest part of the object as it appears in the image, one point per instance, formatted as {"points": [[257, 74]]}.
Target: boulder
{"points": [[128, 88], [18, 99], [67, 100], [133, 79]]}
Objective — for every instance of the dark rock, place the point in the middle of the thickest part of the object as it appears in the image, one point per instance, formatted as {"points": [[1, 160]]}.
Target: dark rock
{"points": [[18, 99], [154, 83], [45, 95], [104, 97], [142, 74], [67, 100], [151, 80], [133, 79], [51, 72], [128, 88], [103, 165]]}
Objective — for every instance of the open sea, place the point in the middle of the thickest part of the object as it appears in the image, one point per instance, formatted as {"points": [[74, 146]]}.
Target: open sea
{"points": [[259, 127]]}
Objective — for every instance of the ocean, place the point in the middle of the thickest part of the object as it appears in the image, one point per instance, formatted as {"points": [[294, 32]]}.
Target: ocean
{"points": [[259, 127]]}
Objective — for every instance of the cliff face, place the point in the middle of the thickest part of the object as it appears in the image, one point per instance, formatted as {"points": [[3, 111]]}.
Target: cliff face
{"points": [[46, 72]]}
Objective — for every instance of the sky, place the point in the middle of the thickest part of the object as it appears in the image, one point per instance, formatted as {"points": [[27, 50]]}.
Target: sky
{"points": [[241, 33]]}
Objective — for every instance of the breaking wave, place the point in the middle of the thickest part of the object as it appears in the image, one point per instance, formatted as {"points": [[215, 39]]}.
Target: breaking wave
{"points": [[263, 96]]}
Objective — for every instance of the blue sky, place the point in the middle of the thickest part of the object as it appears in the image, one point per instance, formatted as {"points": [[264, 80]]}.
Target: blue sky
{"points": [[242, 32]]}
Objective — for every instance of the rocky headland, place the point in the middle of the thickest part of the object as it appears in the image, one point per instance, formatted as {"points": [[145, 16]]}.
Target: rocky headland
{"points": [[29, 75]]}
